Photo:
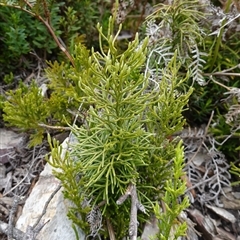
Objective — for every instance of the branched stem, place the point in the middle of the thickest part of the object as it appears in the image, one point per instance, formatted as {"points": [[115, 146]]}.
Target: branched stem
{"points": [[135, 205], [60, 45]]}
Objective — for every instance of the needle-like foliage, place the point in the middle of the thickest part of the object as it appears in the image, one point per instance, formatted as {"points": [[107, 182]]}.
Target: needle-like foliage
{"points": [[123, 139]]}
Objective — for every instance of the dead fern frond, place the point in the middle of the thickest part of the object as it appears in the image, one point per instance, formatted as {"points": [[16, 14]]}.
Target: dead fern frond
{"points": [[94, 219], [208, 171], [197, 65], [233, 114]]}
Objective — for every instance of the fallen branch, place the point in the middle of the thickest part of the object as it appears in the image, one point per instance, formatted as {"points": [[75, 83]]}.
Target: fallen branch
{"points": [[16, 201], [135, 205]]}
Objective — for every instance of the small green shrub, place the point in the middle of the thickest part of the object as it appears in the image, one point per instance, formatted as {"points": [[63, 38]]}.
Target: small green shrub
{"points": [[21, 33], [26, 108], [124, 137], [45, 26], [174, 189]]}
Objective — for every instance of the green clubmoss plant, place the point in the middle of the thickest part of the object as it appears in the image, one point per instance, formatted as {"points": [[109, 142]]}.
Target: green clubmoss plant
{"points": [[30, 111], [169, 226], [25, 108], [123, 140]]}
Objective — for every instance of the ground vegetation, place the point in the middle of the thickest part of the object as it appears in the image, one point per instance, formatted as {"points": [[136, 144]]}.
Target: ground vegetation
{"points": [[149, 95]]}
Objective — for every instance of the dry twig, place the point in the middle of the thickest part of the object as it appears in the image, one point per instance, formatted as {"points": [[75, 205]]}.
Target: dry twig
{"points": [[135, 205], [32, 231], [16, 201]]}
